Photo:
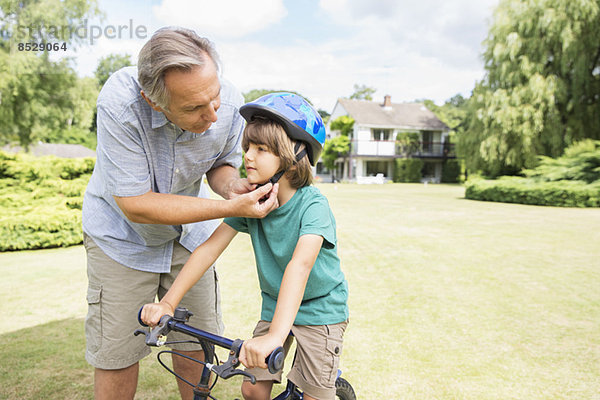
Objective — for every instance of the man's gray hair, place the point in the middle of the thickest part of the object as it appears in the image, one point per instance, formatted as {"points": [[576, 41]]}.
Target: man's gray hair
{"points": [[168, 48]]}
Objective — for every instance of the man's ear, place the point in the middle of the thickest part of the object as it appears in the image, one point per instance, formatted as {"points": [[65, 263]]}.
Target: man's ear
{"points": [[150, 102]]}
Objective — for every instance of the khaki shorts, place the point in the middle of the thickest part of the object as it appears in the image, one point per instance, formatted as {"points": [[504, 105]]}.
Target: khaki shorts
{"points": [[318, 351], [115, 295]]}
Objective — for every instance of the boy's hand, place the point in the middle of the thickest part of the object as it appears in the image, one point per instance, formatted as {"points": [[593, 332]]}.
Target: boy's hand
{"points": [[152, 312], [255, 351]]}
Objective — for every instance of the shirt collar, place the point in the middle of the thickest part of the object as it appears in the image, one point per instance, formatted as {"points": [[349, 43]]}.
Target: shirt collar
{"points": [[158, 119]]}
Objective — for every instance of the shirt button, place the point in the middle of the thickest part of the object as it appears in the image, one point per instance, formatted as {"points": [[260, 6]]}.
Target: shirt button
{"points": [[177, 170]]}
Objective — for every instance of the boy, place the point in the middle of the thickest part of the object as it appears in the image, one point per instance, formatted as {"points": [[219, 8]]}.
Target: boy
{"points": [[303, 288]]}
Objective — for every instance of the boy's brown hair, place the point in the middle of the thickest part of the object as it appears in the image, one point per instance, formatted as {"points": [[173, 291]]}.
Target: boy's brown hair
{"points": [[269, 133]]}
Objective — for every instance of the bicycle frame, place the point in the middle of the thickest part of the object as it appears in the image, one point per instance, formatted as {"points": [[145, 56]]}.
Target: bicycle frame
{"points": [[202, 389], [207, 341], [227, 369]]}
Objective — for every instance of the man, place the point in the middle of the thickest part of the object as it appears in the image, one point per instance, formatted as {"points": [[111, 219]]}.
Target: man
{"points": [[161, 127]]}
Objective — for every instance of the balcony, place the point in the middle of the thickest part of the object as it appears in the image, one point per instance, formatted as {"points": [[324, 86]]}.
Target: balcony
{"points": [[397, 149]]}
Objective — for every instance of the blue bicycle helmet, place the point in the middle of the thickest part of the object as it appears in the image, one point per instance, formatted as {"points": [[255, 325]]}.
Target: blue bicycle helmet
{"points": [[299, 119]]}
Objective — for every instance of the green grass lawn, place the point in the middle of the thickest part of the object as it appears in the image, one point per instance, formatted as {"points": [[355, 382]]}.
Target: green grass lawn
{"points": [[449, 299]]}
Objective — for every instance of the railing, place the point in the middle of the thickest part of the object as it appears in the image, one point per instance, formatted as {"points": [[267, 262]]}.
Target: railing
{"points": [[401, 149]]}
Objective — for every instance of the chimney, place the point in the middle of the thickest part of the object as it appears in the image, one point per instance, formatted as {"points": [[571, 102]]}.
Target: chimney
{"points": [[387, 101]]}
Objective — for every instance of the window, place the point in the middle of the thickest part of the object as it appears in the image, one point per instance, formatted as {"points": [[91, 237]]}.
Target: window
{"points": [[382, 134], [427, 141]]}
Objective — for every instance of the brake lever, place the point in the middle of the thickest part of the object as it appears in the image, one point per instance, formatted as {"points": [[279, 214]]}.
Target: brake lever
{"points": [[226, 371], [157, 336], [228, 368]]}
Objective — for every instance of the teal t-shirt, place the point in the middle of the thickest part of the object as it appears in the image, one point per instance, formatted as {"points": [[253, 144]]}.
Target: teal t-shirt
{"points": [[274, 239]]}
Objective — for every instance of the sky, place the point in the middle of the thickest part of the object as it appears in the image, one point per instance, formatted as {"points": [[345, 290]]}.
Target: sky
{"points": [[426, 49]]}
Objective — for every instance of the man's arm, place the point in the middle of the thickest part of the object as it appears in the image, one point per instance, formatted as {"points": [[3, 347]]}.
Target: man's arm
{"points": [[225, 181], [255, 351], [172, 209]]}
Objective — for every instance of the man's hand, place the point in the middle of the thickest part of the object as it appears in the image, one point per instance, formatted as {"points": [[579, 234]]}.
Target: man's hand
{"points": [[238, 186], [152, 312], [258, 203], [255, 351]]}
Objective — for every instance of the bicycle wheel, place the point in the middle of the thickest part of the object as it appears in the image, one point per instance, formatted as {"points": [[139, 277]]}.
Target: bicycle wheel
{"points": [[343, 390]]}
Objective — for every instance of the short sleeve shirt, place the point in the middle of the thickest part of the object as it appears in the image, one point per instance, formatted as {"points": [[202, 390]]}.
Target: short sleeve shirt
{"points": [[274, 240], [139, 150]]}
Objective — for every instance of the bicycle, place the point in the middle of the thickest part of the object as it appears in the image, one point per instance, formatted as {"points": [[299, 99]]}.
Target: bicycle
{"points": [[177, 323]]}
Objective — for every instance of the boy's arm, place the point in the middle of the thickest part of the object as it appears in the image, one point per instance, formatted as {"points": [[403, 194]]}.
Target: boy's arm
{"points": [[201, 259], [291, 292]]}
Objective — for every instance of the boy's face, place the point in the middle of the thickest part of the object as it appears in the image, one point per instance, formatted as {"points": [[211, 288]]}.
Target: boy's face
{"points": [[260, 163]]}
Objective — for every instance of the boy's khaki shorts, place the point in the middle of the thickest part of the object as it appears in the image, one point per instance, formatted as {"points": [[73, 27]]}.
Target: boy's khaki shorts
{"points": [[318, 351], [115, 295]]}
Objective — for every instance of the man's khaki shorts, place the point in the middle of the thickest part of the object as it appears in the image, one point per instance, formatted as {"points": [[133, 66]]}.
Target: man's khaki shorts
{"points": [[115, 295], [318, 351]]}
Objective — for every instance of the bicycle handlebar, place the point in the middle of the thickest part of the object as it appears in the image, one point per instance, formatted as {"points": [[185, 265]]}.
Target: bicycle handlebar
{"points": [[177, 323]]}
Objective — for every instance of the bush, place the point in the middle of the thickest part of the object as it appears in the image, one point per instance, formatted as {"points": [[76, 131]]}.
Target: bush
{"points": [[529, 191], [38, 230], [451, 171], [41, 200], [572, 180], [581, 162], [408, 170]]}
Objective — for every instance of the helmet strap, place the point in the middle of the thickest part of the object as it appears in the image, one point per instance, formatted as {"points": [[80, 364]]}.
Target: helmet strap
{"points": [[300, 155], [275, 178]]}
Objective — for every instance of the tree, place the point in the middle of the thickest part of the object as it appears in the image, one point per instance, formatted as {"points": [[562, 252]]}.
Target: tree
{"points": [[344, 124], [37, 96], [109, 64], [362, 92], [81, 121], [333, 149], [339, 146], [541, 91], [452, 113]]}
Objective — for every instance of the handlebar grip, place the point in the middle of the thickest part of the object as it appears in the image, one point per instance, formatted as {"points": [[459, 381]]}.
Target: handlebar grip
{"points": [[275, 360], [139, 317]]}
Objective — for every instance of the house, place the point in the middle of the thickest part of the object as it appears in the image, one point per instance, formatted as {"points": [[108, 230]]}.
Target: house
{"points": [[385, 132]]}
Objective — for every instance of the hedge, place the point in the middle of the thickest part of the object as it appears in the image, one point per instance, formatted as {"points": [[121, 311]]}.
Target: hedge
{"points": [[40, 200], [528, 191], [408, 170], [451, 171]]}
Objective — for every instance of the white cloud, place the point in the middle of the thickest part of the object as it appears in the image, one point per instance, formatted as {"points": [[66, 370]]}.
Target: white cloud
{"points": [[334, 67], [229, 19], [449, 30], [426, 49]]}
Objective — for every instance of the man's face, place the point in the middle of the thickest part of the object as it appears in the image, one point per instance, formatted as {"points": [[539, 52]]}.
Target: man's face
{"points": [[195, 97]]}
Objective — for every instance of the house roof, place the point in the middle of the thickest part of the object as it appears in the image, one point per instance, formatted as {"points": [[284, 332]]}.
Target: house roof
{"points": [[398, 115]]}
